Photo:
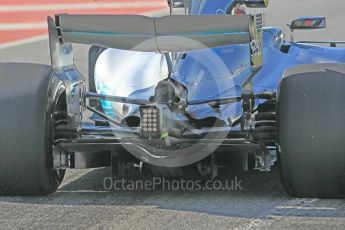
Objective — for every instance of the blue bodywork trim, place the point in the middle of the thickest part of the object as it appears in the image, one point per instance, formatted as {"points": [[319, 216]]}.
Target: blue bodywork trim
{"points": [[205, 34], [108, 33], [149, 35]]}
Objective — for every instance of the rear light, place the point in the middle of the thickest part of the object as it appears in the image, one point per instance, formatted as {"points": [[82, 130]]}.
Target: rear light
{"points": [[150, 120]]}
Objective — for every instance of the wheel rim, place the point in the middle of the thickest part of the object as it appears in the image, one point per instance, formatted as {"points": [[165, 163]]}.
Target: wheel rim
{"points": [[56, 118]]}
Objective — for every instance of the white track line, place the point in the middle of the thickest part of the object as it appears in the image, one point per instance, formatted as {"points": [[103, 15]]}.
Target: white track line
{"points": [[43, 25], [265, 219], [77, 6], [22, 26], [23, 42]]}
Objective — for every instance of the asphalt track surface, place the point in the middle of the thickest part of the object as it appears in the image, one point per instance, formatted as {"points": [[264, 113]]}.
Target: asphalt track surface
{"points": [[82, 202]]}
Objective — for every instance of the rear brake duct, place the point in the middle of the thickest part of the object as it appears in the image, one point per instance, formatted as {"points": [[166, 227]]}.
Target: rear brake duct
{"points": [[64, 69]]}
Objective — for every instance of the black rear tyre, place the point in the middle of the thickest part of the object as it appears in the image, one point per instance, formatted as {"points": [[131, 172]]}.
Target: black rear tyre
{"points": [[310, 126], [26, 125]]}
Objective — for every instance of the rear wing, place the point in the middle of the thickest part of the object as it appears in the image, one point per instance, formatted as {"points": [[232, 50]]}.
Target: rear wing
{"points": [[173, 33]]}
